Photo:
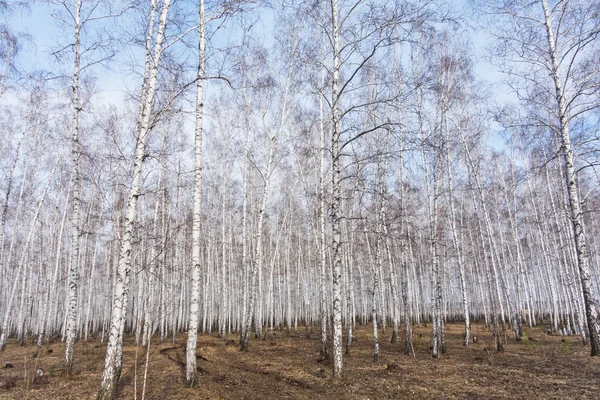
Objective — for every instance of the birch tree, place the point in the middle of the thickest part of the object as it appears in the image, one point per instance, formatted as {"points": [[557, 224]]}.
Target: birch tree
{"points": [[547, 48], [336, 178], [113, 360], [78, 15], [22, 262], [453, 68], [357, 36], [75, 190], [280, 121], [191, 373]]}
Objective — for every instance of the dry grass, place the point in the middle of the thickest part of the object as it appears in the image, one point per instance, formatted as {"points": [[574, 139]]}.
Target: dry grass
{"points": [[287, 367]]}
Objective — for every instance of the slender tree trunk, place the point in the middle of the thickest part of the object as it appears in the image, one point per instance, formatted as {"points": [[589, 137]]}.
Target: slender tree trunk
{"points": [[324, 310], [76, 200], [256, 266], [518, 262], [573, 192], [90, 292], [457, 249], [350, 296], [21, 266], [565, 263], [336, 183], [376, 282], [257, 260], [112, 363], [52, 284], [404, 239], [191, 373], [496, 301], [7, 197]]}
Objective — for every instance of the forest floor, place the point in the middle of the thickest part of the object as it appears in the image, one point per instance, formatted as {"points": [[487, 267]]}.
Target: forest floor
{"points": [[287, 366]]}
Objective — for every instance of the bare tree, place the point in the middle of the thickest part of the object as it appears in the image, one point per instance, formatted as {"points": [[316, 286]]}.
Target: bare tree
{"points": [[191, 373], [547, 48], [114, 355], [273, 134], [357, 38]]}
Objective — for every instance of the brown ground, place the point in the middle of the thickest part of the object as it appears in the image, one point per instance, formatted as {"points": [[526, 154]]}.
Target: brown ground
{"points": [[287, 367]]}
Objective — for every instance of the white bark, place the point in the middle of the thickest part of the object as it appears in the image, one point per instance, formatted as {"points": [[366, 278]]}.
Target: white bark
{"points": [[7, 195], [256, 263], [21, 265], [404, 239], [257, 259], [571, 288], [245, 178], [455, 242], [573, 191], [112, 372], [45, 313], [76, 200], [337, 200], [324, 310], [191, 374], [497, 300], [376, 281]]}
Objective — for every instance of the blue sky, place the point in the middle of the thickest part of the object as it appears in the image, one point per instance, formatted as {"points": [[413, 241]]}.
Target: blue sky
{"points": [[44, 34], [47, 35]]}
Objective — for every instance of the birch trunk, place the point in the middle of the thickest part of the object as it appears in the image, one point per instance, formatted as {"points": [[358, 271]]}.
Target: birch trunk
{"points": [[256, 263], [322, 250], [565, 263], [518, 325], [573, 191], [52, 286], [191, 373], [432, 184], [149, 300], [457, 249], [404, 239], [256, 260], [336, 183], [90, 292], [21, 266], [7, 195], [544, 254], [76, 200], [490, 239], [376, 282], [112, 371]]}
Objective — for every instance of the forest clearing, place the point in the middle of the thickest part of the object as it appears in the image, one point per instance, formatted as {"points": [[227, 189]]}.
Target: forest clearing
{"points": [[288, 366]]}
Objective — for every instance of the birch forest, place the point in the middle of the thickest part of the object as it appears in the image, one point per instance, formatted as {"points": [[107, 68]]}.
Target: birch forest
{"points": [[386, 183]]}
